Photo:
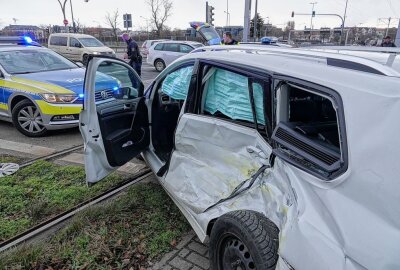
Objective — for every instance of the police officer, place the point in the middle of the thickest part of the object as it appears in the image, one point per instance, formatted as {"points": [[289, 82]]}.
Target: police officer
{"points": [[228, 39], [133, 53]]}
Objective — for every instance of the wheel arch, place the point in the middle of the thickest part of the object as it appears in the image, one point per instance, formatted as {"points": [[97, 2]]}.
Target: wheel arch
{"points": [[18, 97], [158, 58], [212, 221]]}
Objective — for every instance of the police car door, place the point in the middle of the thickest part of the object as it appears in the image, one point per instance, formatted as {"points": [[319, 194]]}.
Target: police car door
{"points": [[114, 120]]}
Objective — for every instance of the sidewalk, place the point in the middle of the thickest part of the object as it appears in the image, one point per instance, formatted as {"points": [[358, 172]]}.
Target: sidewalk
{"points": [[189, 254]]}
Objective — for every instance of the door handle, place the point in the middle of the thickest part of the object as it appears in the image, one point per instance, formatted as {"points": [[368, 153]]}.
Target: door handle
{"points": [[127, 107]]}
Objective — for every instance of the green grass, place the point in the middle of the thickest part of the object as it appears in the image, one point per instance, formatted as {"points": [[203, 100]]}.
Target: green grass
{"points": [[42, 190], [126, 233], [9, 159]]}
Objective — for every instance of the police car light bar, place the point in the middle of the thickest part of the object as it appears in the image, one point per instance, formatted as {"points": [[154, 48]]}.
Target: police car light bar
{"points": [[24, 40]]}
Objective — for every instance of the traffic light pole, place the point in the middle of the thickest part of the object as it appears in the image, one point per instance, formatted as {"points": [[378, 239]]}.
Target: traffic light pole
{"points": [[326, 14]]}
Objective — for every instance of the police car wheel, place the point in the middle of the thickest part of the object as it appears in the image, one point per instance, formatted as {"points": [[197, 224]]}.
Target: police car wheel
{"points": [[27, 119], [159, 65]]}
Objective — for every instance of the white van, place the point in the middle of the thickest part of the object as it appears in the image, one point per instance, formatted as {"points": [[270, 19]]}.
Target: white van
{"points": [[78, 47]]}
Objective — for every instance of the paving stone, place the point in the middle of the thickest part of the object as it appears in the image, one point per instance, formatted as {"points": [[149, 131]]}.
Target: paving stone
{"points": [[199, 248], [185, 240], [183, 252], [199, 260], [196, 268], [180, 263], [161, 264]]}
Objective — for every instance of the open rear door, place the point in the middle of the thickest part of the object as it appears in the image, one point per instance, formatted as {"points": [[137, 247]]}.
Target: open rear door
{"points": [[208, 32], [114, 120]]}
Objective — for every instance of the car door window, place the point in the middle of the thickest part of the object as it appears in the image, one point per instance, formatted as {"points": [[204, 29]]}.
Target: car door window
{"points": [[185, 48], [63, 41], [171, 47], [228, 95], [73, 42], [159, 47], [176, 84], [115, 82]]}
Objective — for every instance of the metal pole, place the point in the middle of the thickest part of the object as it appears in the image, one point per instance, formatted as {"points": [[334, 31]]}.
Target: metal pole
{"points": [[344, 20], [227, 12], [255, 22], [397, 39], [312, 11], [246, 24], [387, 30], [72, 15]]}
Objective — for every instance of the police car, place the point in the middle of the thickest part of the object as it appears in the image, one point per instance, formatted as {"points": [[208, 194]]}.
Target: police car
{"points": [[39, 89]]}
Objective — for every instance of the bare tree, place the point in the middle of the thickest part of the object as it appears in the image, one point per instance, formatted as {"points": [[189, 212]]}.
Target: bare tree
{"points": [[161, 10], [63, 6], [112, 21]]}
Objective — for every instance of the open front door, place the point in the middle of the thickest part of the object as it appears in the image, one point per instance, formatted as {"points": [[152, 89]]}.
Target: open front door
{"points": [[114, 120]]}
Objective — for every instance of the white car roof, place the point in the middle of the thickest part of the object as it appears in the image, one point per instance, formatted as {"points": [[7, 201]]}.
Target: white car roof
{"points": [[12, 47], [179, 41], [351, 61], [71, 35], [308, 66]]}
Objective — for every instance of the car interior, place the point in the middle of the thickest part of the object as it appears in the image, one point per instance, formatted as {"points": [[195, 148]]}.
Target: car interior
{"points": [[166, 107], [307, 127]]}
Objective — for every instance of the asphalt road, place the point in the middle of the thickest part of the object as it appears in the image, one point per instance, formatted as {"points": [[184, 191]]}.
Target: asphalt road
{"points": [[61, 139]]}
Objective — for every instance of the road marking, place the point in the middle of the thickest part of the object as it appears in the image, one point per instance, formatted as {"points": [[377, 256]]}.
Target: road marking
{"points": [[26, 148], [77, 158]]}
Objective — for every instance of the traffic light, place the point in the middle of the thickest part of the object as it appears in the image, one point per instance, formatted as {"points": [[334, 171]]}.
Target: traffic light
{"points": [[210, 14], [292, 14], [313, 13]]}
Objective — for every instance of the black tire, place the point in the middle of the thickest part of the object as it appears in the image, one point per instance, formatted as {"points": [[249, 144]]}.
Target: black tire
{"points": [[243, 240], [159, 64], [19, 109], [85, 59]]}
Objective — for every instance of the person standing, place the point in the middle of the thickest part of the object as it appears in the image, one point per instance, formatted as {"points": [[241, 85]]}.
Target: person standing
{"points": [[387, 42], [133, 53], [228, 39]]}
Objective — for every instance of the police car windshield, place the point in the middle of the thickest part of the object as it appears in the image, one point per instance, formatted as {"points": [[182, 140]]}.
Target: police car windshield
{"points": [[29, 61], [91, 42]]}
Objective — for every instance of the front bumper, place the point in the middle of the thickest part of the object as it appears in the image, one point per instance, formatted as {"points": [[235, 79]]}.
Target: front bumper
{"points": [[48, 111]]}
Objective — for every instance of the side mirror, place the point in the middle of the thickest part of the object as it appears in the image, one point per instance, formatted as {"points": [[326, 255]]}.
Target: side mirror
{"points": [[77, 45]]}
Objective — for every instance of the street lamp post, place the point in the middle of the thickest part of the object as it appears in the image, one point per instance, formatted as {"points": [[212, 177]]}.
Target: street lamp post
{"points": [[72, 15], [147, 27], [228, 21], [255, 21]]}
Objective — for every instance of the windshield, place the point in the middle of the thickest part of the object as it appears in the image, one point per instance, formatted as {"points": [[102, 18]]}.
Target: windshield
{"points": [[91, 42], [29, 61]]}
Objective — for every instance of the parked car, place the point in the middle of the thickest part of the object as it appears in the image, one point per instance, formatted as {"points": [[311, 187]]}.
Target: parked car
{"points": [[164, 53], [148, 43], [279, 160], [78, 47], [39, 89]]}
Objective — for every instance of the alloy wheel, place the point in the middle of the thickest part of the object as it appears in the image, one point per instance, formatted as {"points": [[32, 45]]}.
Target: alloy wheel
{"points": [[30, 120]]}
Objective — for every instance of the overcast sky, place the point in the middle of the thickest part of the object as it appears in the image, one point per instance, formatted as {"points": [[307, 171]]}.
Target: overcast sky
{"points": [[37, 12]]}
